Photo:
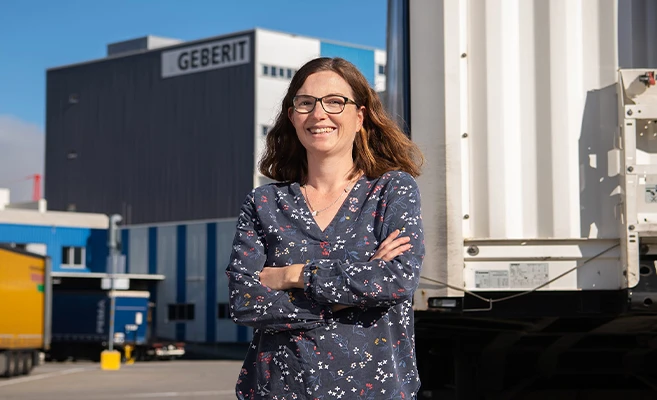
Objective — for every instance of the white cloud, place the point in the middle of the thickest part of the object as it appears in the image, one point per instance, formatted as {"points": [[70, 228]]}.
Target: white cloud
{"points": [[22, 147]]}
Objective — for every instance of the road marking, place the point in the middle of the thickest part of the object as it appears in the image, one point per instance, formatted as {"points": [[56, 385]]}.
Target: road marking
{"points": [[13, 381], [178, 394]]}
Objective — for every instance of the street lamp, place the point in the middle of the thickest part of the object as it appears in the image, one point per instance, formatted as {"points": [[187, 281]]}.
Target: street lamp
{"points": [[113, 244], [111, 359]]}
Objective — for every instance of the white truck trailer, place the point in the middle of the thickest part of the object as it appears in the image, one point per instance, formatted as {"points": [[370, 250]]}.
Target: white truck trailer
{"points": [[538, 120]]}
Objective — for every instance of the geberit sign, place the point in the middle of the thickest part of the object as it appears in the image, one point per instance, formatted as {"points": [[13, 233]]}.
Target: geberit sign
{"points": [[206, 56]]}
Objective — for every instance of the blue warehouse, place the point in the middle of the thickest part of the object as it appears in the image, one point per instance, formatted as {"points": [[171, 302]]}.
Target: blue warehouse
{"points": [[179, 266], [77, 246], [192, 302]]}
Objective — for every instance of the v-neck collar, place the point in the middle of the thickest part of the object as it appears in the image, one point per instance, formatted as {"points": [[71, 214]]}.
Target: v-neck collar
{"points": [[345, 203]]}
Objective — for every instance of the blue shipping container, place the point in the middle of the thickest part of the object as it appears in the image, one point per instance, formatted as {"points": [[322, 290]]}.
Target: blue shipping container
{"points": [[82, 316]]}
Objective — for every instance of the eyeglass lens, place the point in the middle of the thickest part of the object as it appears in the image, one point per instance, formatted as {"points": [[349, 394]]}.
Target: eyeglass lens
{"points": [[331, 104]]}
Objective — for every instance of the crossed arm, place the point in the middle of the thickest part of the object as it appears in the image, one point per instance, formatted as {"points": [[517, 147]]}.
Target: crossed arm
{"points": [[291, 277], [298, 296]]}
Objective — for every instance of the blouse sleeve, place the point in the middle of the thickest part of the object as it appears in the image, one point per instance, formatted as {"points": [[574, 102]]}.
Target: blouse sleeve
{"points": [[376, 283], [252, 303]]}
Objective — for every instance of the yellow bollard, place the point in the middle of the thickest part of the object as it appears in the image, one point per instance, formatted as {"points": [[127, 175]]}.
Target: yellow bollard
{"points": [[129, 359], [110, 360]]}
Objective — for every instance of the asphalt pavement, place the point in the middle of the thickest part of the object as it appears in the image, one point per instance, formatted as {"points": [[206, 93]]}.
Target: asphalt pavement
{"points": [[178, 379]]}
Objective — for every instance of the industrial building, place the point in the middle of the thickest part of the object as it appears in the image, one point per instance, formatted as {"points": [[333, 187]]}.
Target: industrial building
{"points": [[78, 280], [180, 265], [76, 243], [162, 130], [192, 301]]}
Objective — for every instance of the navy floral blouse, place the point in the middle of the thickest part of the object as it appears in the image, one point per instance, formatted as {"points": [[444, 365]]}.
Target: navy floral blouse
{"points": [[300, 348]]}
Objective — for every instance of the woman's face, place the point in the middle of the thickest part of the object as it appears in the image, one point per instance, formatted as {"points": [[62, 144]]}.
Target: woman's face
{"points": [[322, 133]]}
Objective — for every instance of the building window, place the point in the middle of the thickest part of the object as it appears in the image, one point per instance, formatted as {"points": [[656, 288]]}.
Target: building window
{"points": [[265, 130], [278, 72], [223, 311], [73, 257], [382, 69], [181, 312]]}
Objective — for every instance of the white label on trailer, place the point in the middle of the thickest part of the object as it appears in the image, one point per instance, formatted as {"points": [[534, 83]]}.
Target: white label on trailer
{"points": [[529, 275], [493, 279], [206, 56], [651, 194]]}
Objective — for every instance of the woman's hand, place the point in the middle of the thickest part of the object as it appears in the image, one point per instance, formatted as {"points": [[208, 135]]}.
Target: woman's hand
{"points": [[338, 307], [392, 246], [283, 278], [291, 276]]}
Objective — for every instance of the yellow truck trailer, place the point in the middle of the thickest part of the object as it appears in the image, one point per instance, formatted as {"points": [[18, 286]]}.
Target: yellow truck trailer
{"points": [[25, 304]]}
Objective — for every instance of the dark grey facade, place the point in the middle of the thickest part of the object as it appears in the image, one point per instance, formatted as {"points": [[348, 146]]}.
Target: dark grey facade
{"points": [[120, 138]]}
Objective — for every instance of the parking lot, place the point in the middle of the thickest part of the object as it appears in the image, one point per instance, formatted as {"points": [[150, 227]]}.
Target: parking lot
{"points": [[198, 380]]}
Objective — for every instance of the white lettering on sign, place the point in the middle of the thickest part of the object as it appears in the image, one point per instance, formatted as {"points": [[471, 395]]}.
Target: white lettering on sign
{"points": [[206, 56]]}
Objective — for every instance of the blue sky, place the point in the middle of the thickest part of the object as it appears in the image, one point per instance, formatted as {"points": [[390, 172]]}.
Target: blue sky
{"points": [[39, 34]]}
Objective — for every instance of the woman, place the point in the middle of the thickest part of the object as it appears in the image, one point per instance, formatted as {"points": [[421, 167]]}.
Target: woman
{"points": [[325, 263]]}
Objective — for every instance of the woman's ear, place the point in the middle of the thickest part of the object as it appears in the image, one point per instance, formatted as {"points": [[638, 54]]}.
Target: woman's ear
{"points": [[361, 116]]}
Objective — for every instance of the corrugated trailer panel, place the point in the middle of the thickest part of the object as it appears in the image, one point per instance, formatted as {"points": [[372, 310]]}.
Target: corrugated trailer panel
{"points": [[24, 310], [538, 102], [514, 103], [122, 138], [539, 193]]}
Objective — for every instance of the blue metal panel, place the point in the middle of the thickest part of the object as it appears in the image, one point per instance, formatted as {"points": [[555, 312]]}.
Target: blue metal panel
{"points": [[211, 283], [181, 275], [152, 250], [126, 311], [125, 248], [84, 316], [94, 240], [97, 250], [363, 59], [152, 269]]}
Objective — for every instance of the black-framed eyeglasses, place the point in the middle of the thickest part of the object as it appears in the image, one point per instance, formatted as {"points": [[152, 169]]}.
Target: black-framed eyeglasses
{"points": [[332, 103]]}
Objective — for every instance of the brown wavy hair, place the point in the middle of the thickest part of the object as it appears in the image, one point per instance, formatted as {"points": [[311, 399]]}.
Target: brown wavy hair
{"points": [[380, 145]]}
